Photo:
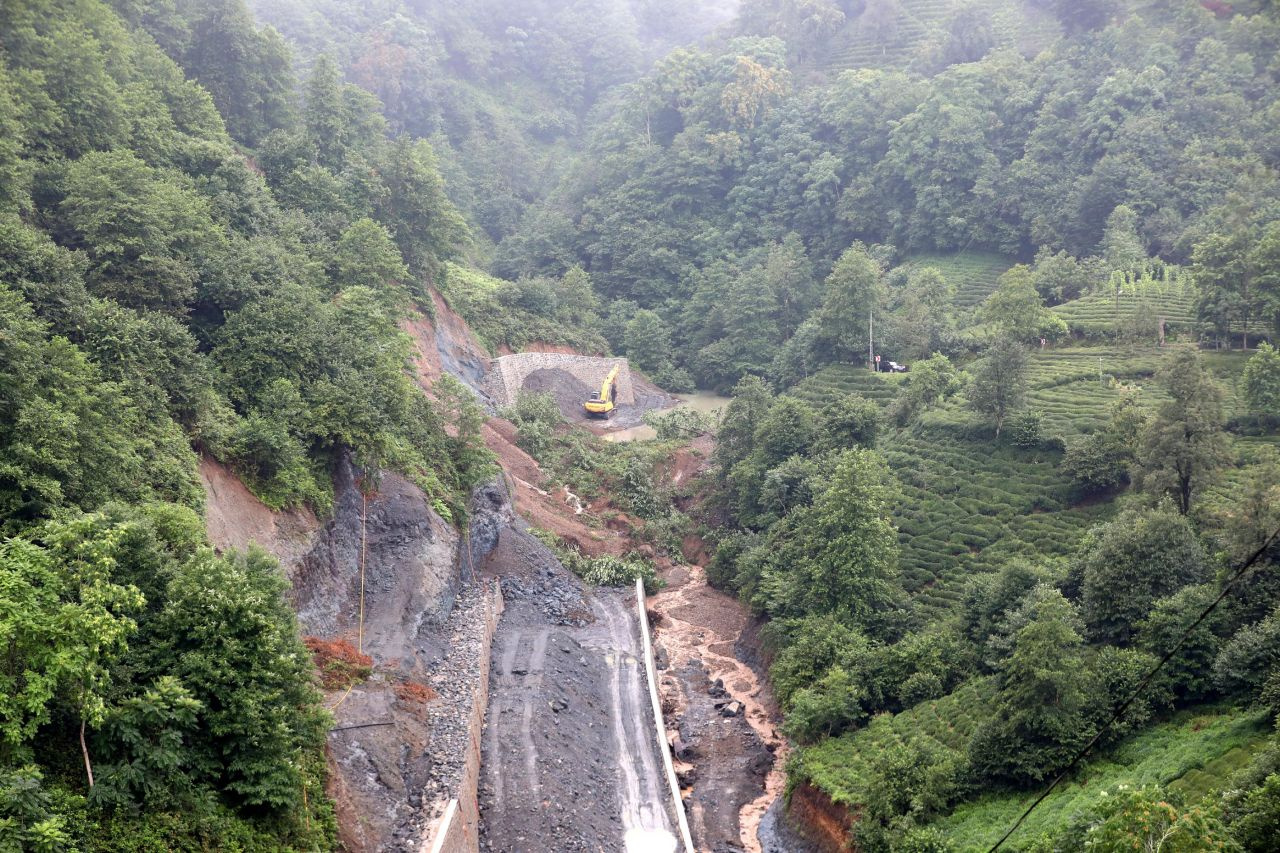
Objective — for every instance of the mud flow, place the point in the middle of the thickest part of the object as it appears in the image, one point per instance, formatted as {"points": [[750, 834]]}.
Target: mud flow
{"points": [[721, 716]]}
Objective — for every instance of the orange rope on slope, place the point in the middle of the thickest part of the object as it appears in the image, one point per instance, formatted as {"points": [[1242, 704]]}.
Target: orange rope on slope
{"points": [[364, 530]]}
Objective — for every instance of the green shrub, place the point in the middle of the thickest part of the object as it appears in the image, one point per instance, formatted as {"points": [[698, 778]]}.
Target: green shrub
{"points": [[1024, 428], [535, 417], [27, 817], [828, 707], [1248, 659], [680, 423], [616, 571]]}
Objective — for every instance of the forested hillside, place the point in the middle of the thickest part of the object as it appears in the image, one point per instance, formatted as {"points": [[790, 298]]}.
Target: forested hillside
{"points": [[502, 90], [167, 293], [1061, 220], [723, 187], [1046, 210], [967, 569]]}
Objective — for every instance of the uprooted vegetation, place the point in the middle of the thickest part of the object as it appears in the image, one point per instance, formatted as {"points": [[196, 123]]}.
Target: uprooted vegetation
{"points": [[339, 663]]}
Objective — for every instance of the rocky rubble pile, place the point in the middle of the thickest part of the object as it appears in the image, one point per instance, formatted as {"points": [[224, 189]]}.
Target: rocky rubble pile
{"points": [[459, 679], [531, 572]]}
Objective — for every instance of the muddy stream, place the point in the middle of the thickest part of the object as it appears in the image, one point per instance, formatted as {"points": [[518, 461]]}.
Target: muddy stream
{"points": [[698, 629]]}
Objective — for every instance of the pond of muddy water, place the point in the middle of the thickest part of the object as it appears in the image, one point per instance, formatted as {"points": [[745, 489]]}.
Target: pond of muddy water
{"points": [[699, 401]]}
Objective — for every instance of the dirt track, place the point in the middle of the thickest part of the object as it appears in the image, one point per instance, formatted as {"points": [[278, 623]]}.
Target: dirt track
{"points": [[570, 761]]}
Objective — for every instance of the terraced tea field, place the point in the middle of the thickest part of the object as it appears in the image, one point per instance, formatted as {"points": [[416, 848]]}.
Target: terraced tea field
{"points": [[842, 766], [837, 380], [974, 274], [1101, 314], [968, 506], [1073, 387], [861, 45], [1195, 754]]}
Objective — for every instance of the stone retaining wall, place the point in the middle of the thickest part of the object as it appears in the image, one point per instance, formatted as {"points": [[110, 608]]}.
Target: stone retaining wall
{"points": [[507, 374], [457, 830]]}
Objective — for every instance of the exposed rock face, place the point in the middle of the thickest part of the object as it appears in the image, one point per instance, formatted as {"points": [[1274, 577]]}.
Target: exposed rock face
{"points": [[395, 745], [446, 344], [491, 511], [397, 752], [410, 573]]}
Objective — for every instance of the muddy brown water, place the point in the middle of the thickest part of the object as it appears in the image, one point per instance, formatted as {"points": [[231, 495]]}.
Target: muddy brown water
{"points": [[699, 401], [700, 626]]}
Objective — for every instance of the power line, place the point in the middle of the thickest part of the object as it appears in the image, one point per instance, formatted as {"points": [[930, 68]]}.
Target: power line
{"points": [[1120, 712]]}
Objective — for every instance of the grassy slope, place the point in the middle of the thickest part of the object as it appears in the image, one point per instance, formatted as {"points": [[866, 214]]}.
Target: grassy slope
{"points": [[842, 766], [1193, 754]]}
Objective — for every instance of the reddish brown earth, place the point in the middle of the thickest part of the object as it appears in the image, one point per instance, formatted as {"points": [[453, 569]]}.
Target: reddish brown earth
{"points": [[235, 518], [444, 344], [827, 824], [546, 505], [719, 709]]}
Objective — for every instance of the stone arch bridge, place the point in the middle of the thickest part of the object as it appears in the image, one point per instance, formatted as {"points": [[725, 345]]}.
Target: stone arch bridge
{"points": [[507, 374]]}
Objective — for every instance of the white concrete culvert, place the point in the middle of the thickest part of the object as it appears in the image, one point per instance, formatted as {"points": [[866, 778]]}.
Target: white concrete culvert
{"points": [[660, 728]]}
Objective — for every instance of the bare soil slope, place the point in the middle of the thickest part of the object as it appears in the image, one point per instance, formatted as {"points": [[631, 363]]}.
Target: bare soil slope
{"points": [[235, 519]]}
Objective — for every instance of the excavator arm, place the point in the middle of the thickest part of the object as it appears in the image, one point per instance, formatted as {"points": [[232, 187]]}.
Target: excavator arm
{"points": [[603, 402]]}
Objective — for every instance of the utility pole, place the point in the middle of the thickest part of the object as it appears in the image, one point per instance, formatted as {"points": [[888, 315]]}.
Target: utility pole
{"points": [[871, 347]]}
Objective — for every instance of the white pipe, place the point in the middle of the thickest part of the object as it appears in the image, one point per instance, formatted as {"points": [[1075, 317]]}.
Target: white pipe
{"points": [[663, 746]]}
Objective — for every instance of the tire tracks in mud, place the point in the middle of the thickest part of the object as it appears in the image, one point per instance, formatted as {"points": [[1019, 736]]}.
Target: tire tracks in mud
{"points": [[519, 683], [645, 817], [569, 758]]}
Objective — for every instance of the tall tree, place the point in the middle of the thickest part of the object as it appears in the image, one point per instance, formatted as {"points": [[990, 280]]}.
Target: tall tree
{"points": [[147, 233], [366, 256], [1237, 268], [853, 293], [416, 210], [1261, 381], [736, 437], [1015, 310], [1185, 444], [648, 342], [848, 554], [1040, 717], [999, 381], [1122, 247], [1129, 563]]}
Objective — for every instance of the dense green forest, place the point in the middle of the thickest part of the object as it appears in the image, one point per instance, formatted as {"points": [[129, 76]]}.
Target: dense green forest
{"points": [[1064, 217], [969, 568], [185, 269]]}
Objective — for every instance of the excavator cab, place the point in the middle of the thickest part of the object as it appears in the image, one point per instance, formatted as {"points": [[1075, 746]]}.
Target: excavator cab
{"points": [[602, 403]]}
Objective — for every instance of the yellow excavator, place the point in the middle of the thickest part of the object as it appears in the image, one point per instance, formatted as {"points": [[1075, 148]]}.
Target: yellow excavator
{"points": [[603, 402]]}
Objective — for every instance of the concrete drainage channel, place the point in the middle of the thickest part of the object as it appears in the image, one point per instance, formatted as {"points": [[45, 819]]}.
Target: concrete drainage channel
{"points": [[660, 727]]}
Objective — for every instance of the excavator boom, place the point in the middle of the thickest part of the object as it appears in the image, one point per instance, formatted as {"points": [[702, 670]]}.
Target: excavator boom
{"points": [[603, 402]]}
